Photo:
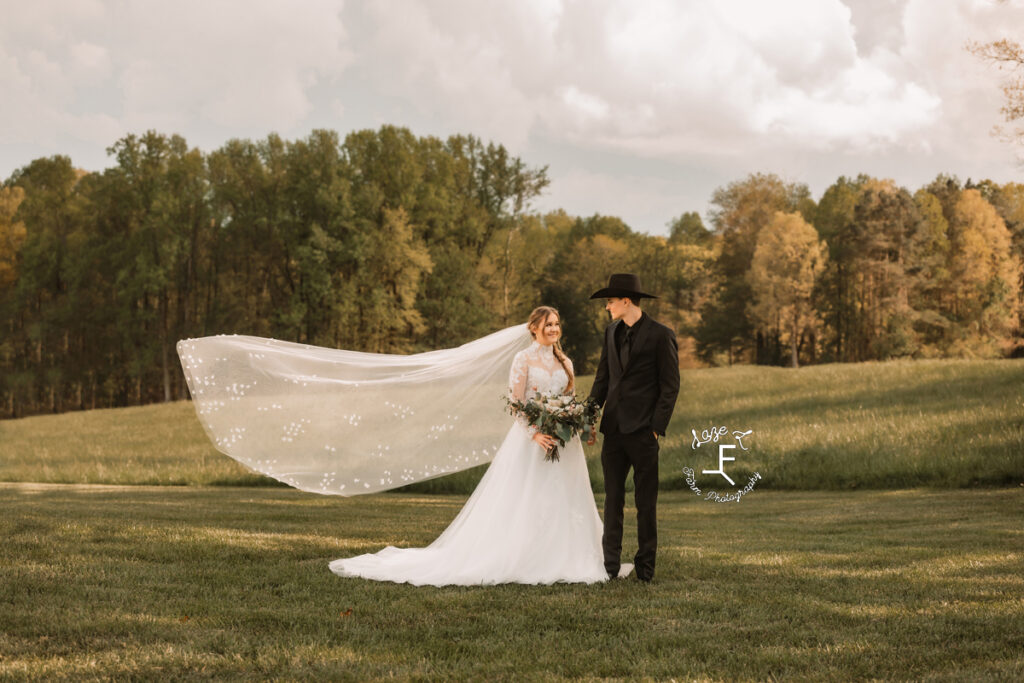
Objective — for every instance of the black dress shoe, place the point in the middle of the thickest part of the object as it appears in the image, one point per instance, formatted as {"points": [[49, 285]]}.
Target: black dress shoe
{"points": [[644, 579]]}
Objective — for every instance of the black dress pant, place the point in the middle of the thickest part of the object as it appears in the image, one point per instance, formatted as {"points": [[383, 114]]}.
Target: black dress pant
{"points": [[620, 452]]}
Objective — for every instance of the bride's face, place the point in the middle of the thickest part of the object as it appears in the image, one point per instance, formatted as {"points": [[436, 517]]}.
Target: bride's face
{"points": [[550, 331]]}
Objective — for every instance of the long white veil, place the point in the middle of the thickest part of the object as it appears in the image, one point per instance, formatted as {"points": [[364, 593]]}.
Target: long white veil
{"points": [[345, 422]]}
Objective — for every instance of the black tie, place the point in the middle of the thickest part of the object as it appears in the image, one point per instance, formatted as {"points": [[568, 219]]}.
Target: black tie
{"points": [[624, 350]]}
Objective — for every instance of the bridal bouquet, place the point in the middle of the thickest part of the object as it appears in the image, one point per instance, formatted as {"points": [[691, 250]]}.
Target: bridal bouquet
{"points": [[562, 417]]}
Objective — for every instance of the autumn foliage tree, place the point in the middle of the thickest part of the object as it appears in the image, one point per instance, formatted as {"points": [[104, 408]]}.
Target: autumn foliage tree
{"points": [[787, 261], [985, 274], [385, 241], [345, 243], [12, 234], [741, 210]]}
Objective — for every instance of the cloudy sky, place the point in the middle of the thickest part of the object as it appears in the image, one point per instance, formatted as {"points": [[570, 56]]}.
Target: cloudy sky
{"points": [[640, 108]]}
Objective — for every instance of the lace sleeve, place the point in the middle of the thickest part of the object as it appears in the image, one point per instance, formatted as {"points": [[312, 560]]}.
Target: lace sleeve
{"points": [[517, 378]]}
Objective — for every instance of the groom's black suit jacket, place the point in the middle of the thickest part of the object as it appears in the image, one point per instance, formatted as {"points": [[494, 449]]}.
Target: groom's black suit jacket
{"points": [[641, 394]]}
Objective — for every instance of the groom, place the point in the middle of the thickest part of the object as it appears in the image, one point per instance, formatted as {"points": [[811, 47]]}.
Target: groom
{"points": [[637, 382]]}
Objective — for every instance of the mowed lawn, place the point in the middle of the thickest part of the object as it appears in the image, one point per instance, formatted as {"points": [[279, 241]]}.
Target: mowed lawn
{"points": [[202, 582], [885, 539], [900, 424]]}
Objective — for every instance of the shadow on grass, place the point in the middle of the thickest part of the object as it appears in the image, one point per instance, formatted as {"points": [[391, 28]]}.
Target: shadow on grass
{"points": [[256, 480], [234, 583]]}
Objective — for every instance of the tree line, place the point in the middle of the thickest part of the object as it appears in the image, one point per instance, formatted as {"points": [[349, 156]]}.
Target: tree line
{"points": [[388, 242]]}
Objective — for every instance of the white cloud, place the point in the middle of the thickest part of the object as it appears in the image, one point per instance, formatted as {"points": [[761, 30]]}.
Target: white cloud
{"points": [[88, 63], [863, 109], [654, 77], [467, 65], [742, 73], [643, 201], [245, 68], [84, 70], [816, 87], [587, 105], [935, 38]]}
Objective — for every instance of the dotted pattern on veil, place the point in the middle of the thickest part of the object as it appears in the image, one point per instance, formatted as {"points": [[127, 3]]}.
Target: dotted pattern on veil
{"points": [[345, 422]]}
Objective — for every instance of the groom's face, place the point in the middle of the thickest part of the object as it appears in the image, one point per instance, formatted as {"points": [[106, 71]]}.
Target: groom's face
{"points": [[616, 306]]}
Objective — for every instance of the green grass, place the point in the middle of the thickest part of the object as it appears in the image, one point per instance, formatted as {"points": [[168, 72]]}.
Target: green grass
{"points": [[201, 582], [900, 424], [161, 444]]}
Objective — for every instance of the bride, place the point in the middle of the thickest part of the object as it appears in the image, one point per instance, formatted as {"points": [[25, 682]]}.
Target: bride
{"points": [[529, 520], [338, 422]]}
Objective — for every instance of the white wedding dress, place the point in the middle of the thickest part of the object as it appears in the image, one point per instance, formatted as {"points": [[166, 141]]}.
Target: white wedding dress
{"points": [[529, 520]]}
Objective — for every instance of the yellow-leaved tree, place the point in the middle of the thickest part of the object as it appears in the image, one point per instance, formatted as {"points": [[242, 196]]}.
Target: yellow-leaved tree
{"points": [[12, 234], [985, 273], [787, 261]]}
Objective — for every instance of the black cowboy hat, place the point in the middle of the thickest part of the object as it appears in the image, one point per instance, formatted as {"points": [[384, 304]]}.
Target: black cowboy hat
{"points": [[622, 285]]}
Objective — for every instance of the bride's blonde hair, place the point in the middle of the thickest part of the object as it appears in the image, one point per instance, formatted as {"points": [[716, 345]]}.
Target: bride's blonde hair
{"points": [[538, 317]]}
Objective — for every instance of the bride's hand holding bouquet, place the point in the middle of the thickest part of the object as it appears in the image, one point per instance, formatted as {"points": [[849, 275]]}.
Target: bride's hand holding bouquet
{"points": [[556, 417]]}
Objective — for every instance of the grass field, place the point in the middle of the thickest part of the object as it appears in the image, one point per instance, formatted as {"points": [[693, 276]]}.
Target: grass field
{"points": [[201, 582], [899, 424], [916, 575]]}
